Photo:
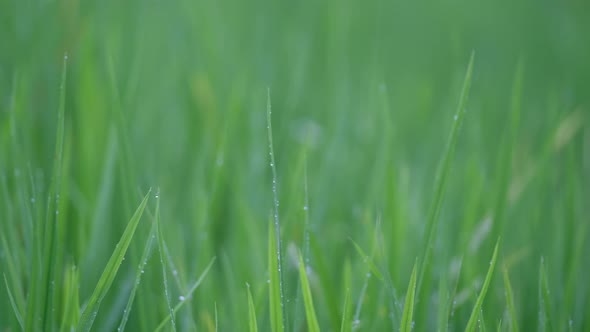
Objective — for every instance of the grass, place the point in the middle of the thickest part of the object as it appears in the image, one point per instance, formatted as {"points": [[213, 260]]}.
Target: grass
{"points": [[405, 139]]}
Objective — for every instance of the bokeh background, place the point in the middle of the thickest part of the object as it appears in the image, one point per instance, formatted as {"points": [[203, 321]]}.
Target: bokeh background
{"points": [[172, 95]]}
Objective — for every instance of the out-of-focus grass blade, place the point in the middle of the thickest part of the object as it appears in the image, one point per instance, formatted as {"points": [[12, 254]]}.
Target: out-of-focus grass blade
{"points": [[481, 322], [275, 302], [346, 325], [71, 311], [147, 252], [510, 302], [312, 320], [110, 271], [185, 298], [251, 312], [472, 323], [441, 181], [163, 262], [19, 318], [546, 321], [38, 310], [408, 313], [369, 261]]}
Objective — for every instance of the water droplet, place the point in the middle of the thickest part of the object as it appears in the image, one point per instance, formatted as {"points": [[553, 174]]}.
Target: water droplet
{"points": [[271, 164], [175, 272], [32, 199], [66, 56], [305, 208], [181, 298], [456, 117], [142, 271], [268, 281]]}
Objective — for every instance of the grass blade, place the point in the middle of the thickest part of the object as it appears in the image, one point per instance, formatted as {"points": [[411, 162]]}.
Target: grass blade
{"points": [[472, 323], [407, 316], [147, 252], [346, 325], [38, 310], [19, 318], [369, 261], [312, 320], [277, 230], [251, 312], [187, 297], [441, 179], [544, 300], [110, 271], [163, 261], [276, 309], [510, 302], [71, 308]]}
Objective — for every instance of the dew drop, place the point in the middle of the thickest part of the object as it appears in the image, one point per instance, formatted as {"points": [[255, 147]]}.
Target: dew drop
{"points": [[142, 271], [175, 272], [305, 208], [456, 117], [181, 298]]}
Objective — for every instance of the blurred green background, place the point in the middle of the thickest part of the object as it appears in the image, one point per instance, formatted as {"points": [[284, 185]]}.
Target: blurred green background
{"points": [[172, 95]]}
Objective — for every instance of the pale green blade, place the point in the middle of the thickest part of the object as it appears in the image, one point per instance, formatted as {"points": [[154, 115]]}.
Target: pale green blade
{"points": [[185, 298], [251, 312], [275, 300], [110, 271], [510, 302], [312, 320], [407, 316], [472, 323]]}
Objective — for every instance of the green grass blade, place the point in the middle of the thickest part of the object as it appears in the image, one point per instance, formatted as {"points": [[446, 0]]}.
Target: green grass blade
{"points": [[472, 323], [276, 310], [71, 311], [187, 296], [251, 312], [145, 256], [441, 179], [546, 322], [39, 309], [312, 320], [510, 302], [408, 313], [163, 262], [17, 314], [110, 271], [369, 261], [346, 325], [277, 226]]}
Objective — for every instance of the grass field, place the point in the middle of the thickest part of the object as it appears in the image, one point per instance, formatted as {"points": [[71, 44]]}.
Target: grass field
{"points": [[294, 165]]}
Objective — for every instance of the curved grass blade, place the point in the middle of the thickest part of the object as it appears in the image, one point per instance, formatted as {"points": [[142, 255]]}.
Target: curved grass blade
{"points": [[110, 271], [276, 309], [312, 320], [145, 256], [441, 180], [251, 312], [187, 297], [472, 323], [19, 318], [510, 302], [407, 316]]}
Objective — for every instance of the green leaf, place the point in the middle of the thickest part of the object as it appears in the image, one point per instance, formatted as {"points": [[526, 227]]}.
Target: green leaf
{"points": [[164, 261], [544, 299], [472, 323], [312, 321], [110, 271], [407, 316], [346, 325]]}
